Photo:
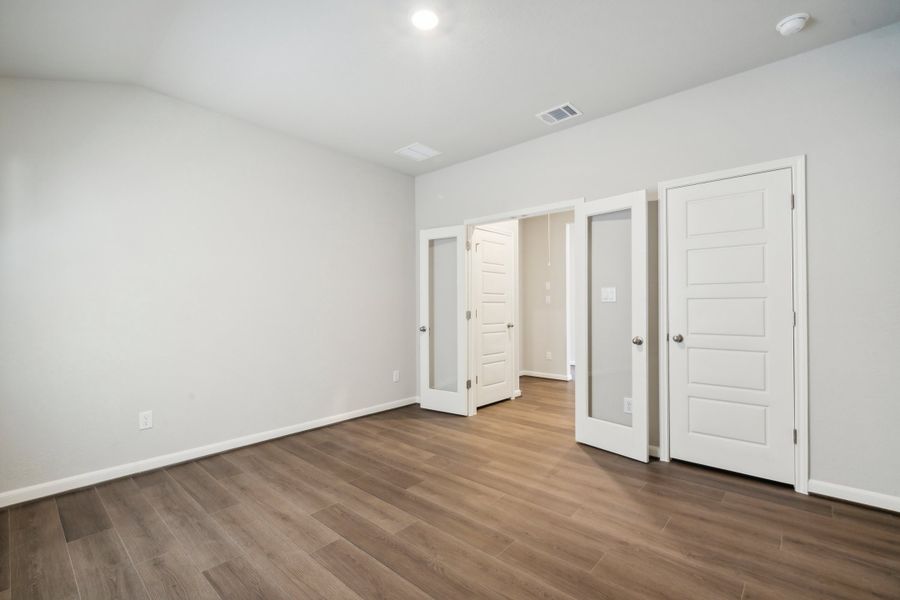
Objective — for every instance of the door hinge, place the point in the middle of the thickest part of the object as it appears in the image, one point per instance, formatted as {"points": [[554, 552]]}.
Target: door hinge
{"points": [[792, 201], [795, 436], [469, 244], [468, 315], [476, 380], [468, 384], [795, 318]]}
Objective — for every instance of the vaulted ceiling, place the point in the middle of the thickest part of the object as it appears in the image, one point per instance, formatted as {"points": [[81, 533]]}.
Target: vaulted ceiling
{"points": [[354, 75]]}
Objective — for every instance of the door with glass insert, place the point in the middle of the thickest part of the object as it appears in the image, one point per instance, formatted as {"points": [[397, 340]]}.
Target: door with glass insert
{"points": [[611, 387], [442, 323]]}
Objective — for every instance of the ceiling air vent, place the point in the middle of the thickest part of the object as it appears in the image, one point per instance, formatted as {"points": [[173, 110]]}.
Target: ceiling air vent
{"points": [[558, 113], [417, 152]]}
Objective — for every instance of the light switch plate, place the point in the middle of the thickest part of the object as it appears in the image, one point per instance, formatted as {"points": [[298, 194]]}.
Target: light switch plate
{"points": [[607, 294]]}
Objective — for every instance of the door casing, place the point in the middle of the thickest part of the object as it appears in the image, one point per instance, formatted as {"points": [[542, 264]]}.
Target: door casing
{"points": [[797, 164]]}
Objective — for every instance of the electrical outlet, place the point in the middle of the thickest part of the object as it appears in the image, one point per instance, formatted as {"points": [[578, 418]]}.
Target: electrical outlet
{"points": [[396, 376], [627, 406], [546, 299], [145, 419], [547, 285], [549, 356]]}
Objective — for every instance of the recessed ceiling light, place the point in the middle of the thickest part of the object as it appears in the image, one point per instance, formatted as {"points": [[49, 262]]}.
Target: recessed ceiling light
{"points": [[792, 24], [424, 19]]}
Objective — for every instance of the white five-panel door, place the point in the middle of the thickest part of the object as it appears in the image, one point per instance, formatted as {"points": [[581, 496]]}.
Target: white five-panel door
{"points": [[442, 328], [731, 319], [492, 264], [612, 336]]}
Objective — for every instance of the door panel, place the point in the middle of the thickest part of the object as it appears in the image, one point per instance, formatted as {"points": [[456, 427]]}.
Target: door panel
{"points": [[612, 325], [442, 333], [493, 266], [731, 389]]}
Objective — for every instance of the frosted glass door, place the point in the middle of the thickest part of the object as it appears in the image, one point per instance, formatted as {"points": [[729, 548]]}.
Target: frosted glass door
{"points": [[442, 329], [612, 356]]}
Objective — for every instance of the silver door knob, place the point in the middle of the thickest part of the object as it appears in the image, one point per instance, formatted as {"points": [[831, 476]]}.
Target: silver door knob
{"points": [[510, 325], [422, 328], [678, 338], [637, 340]]}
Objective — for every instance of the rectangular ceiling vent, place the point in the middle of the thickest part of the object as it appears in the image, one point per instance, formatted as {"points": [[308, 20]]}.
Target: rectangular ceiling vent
{"points": [[417, 152], [559, 113]]}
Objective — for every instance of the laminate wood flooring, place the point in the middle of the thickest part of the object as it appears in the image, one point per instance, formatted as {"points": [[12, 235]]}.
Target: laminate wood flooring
{"points": [[415, 504]]}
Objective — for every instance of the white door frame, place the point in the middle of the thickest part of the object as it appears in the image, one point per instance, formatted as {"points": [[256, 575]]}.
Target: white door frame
{"points": [[797, 164], [533, 211]]}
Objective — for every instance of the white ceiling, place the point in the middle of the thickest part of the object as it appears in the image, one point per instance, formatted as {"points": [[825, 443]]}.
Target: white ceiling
{"points": [[355, 76]]}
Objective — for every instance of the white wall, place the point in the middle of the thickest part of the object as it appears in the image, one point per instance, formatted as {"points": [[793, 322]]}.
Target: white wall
{"points": [[543, 325], [839, 105], [154, 255]]}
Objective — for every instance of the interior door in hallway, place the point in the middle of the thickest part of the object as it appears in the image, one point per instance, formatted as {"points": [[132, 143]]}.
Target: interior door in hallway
{"points": [[612, 325], [493, 291], [731, 320]]}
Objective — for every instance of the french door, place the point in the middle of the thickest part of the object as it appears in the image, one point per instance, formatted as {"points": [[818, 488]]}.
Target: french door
{"points": [[611, 377], [442, 325]]}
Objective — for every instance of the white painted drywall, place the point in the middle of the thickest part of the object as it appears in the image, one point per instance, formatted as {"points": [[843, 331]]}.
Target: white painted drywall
{"points": [[543, 325], [157, 256], [839, 105]]}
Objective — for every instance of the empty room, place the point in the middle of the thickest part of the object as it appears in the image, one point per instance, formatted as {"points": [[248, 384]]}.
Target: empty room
{"points": [[438, 299]]}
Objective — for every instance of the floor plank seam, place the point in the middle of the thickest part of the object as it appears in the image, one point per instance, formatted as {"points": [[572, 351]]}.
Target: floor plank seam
{"points": [[124, 546], [68, 553]]}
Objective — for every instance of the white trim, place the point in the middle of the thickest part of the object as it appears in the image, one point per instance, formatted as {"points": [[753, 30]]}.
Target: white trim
{"points": [[545, 375], [50, 488], [533, 211], [517, 394], [654, 451], [797, 164], [852, 494], [662, 236]]}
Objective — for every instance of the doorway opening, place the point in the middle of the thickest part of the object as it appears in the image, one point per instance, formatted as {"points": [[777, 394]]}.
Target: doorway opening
{"points": [[520, 299]]}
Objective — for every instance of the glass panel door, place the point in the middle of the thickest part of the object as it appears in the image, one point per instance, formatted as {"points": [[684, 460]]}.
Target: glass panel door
{"points": [[612, 321], [442, 329]]}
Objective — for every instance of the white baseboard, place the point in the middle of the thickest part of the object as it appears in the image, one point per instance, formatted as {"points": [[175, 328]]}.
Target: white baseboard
{"points": [[50, 488], [852, 494], [654, 451], [516, 394], [545, 375]]}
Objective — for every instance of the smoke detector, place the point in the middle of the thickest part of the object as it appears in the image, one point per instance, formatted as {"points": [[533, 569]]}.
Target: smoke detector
{"points": [[792, 24], [417, 152], [554, 115]]}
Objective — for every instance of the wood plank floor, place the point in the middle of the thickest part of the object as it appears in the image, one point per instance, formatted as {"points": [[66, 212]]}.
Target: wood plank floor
{"points": [[414, 504]]}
